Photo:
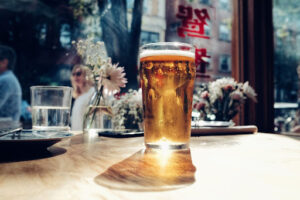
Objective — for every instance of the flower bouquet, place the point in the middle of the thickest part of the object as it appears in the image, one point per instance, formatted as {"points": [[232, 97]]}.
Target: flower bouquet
{"points": [[221, 100], [128, 110], [108, 79]]}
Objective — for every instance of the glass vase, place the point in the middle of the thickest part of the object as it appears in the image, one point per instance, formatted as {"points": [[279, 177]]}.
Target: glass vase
{"points": [[98, 116]]}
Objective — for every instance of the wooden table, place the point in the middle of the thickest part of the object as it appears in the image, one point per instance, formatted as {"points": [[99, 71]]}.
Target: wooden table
{"points": [[254, 166]]}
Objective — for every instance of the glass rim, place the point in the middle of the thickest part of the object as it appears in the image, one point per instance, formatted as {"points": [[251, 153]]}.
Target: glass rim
{"points": [[50, 87], [174, 44]]}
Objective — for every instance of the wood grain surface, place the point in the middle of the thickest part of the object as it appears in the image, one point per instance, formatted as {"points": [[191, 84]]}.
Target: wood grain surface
{"points": [[255, 166]]}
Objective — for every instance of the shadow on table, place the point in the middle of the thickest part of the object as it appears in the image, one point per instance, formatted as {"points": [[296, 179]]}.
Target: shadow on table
{"points": [[22, 153], [150, 170]]}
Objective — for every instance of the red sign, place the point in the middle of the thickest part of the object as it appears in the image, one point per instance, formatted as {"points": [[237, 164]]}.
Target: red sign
{"points": [[201, 56], [201, 60], [190, 26]]}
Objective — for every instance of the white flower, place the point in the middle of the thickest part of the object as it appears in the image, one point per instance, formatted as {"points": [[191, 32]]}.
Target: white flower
{"points": [[223, 82], [136, 98], [215, 87], [225, 96], [113, 77], [249, 91], [127, 106], [93, 54]]}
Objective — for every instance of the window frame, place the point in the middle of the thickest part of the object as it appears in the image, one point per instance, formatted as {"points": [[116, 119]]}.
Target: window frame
{"points": [[252, 58]]}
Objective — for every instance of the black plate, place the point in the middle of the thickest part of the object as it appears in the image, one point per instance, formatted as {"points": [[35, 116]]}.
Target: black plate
{"points": [[121, 133], [32, 139]]}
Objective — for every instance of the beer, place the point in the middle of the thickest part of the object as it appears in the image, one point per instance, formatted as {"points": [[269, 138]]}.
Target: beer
{"points": [[167, 78]]}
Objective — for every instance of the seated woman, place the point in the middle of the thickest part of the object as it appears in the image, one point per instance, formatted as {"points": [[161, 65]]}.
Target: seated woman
{"points": [[82, 83]]}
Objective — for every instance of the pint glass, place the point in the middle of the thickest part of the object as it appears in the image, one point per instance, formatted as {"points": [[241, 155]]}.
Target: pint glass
{"points": [[167, 73]]}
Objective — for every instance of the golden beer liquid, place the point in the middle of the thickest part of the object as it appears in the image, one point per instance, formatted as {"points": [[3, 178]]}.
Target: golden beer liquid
{"points": [[167, 85]]}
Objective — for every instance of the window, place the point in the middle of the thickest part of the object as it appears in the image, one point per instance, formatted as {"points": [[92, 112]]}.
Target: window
{"points": [[224, 32], [298, 42], [207, 28], [286, 65], [174, 26], [51, 26], [149, 37], [207, 39], [41, 33], [65, 36], [207, 2], [224, 4], [129, 5], [147, 7], [225, 63]]}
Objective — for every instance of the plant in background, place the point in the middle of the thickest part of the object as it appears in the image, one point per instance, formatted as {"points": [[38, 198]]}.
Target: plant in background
{"points": [[220, 100], [108, 77], [128, 110]]}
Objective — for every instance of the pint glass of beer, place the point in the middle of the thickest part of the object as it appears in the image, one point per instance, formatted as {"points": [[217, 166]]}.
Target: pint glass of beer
{"points": [[167, 73]]}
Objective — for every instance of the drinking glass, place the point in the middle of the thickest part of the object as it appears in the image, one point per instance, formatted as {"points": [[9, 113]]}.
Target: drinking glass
{"points": [[51, 107], [167, 73]]}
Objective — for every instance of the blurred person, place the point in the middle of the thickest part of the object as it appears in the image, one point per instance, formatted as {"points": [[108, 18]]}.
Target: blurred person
{"points": [[82, 83], [10, 89]]}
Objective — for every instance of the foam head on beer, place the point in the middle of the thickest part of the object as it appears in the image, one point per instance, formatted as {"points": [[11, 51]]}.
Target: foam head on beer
{"points": [[179, 53]]}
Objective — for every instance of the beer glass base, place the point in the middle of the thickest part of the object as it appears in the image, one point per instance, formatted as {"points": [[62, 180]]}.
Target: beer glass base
{"points": [[167, 146]]}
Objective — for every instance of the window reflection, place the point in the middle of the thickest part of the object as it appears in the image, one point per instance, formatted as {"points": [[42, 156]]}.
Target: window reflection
{"points": [[153, 22], [224, 32], [286, 65], [207, 29], [147, 7], [41, 32], [130, 5], [224, 4], [149, 37], [207, 2], [65, 36], [225, 63], [217, 32]]}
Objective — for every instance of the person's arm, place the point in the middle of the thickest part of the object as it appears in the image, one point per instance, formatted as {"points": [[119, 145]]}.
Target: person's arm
{"points": [[4, 92]]}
